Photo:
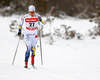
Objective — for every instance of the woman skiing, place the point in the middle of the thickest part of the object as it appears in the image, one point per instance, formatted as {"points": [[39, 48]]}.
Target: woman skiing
{"points": [[30, 34]]}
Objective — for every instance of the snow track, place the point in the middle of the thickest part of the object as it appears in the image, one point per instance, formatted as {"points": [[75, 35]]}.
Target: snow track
{"points": [[64, 60]]}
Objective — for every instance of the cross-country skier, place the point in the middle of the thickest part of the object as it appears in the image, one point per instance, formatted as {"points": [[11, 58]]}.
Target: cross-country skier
{"points": [[30, 34]]}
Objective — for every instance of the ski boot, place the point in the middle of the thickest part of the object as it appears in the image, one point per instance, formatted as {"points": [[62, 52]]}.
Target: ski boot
{"points": [[26, 63]]}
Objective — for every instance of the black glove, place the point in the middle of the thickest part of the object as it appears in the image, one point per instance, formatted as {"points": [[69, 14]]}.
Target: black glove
{"points": [[19, 33], [39, 18]]}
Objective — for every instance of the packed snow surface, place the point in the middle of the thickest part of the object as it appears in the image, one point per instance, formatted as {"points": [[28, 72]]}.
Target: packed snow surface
{"points": [[64, 60]]}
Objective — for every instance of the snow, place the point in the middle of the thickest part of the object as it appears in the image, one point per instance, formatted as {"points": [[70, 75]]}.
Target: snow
{"points": [[64, 60]]}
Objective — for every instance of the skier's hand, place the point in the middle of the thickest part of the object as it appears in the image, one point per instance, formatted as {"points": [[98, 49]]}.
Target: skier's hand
{"points": [[39, 18], [19, 33]]}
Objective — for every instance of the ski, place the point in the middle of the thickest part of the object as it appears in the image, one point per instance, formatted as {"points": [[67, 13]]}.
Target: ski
{"points": [[27, 68], [34, 67]]}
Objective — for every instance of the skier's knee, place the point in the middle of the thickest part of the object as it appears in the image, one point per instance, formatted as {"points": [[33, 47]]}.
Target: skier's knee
{"points": [[33, 51]]}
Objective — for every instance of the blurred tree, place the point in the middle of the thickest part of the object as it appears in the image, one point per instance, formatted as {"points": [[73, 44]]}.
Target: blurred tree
{"points": [[74, 7], [4, 3], [41, 6], [96, 29], [81, 8], [98, 13]]}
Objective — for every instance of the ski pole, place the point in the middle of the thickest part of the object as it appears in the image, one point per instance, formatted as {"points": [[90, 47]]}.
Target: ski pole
{"points": [[15, 52], [40, 47]]}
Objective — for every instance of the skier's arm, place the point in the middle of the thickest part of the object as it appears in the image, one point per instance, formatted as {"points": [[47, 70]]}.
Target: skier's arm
{"points": [[20, 26], [41, 21]]}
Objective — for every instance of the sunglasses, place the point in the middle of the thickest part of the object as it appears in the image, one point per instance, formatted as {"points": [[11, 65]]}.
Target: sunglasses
{"points": [[31, 12]]}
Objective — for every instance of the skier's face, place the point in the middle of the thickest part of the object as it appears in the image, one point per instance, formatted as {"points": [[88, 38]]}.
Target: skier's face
{"points": [[32, 13]]}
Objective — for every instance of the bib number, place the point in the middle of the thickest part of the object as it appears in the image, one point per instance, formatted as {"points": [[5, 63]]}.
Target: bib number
{"points": [[31, 24]]}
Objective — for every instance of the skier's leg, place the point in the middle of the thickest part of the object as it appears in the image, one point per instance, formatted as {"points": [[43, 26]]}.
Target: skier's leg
{"points": [[27, 54], [28, 45], [33, 55], [34, 39]]}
